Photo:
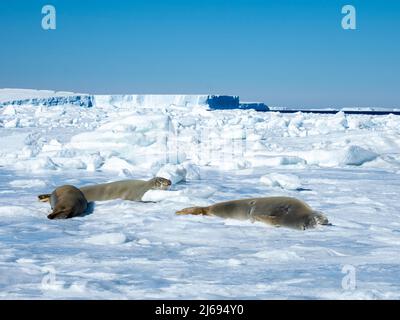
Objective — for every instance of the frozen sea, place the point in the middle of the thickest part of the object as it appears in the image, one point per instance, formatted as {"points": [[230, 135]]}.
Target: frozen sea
{"points": [[347, 166]]}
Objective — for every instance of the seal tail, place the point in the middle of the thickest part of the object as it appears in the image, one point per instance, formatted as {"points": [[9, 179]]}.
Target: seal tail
{"points": [[193, 210], [44, 197]]}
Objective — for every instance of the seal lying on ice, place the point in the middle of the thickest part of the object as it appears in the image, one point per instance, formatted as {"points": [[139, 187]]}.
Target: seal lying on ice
{"points": [[126, 190], [66, 201], [277, 211]]}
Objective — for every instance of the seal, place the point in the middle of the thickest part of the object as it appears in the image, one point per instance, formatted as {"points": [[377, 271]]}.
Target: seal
{"points": [[66, 202], [126, 190], [277, 211]]}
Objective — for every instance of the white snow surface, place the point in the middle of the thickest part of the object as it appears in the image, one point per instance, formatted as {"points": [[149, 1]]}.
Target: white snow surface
{"points": [[347, 166], [284, 181]]}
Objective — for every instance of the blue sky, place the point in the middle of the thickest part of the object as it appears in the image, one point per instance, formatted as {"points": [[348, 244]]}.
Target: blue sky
{"points": [[285, 53]]}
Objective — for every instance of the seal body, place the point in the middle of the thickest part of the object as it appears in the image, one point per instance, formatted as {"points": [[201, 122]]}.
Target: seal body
{"points": [[278, 211], [126, 190], [66, 202]]}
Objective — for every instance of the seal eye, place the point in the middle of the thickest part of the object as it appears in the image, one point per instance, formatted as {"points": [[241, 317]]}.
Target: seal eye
{"points": [[164, 182]]}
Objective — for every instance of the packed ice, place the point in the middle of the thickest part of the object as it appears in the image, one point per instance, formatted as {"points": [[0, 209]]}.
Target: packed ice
{"points": [[347, 166]]}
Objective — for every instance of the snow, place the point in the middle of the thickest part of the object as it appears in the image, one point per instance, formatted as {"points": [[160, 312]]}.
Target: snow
{"points": [[105, 239], [347, 166], [174, 173], [284, 181], [24, 183]]}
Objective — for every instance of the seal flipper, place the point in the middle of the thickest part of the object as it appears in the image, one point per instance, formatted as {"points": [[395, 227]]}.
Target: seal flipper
{"points": [[194, 211], [61, 214], [271, 220], [44, 197]]}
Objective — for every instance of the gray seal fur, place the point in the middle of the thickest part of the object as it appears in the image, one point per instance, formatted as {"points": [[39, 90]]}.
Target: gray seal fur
{"points": [[126, 189], [66, 202], [277, 211]]}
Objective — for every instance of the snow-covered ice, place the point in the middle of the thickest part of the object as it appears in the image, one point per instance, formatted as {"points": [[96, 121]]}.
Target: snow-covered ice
{"points": [[284, 181], [346, 166], [22, 94]]}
